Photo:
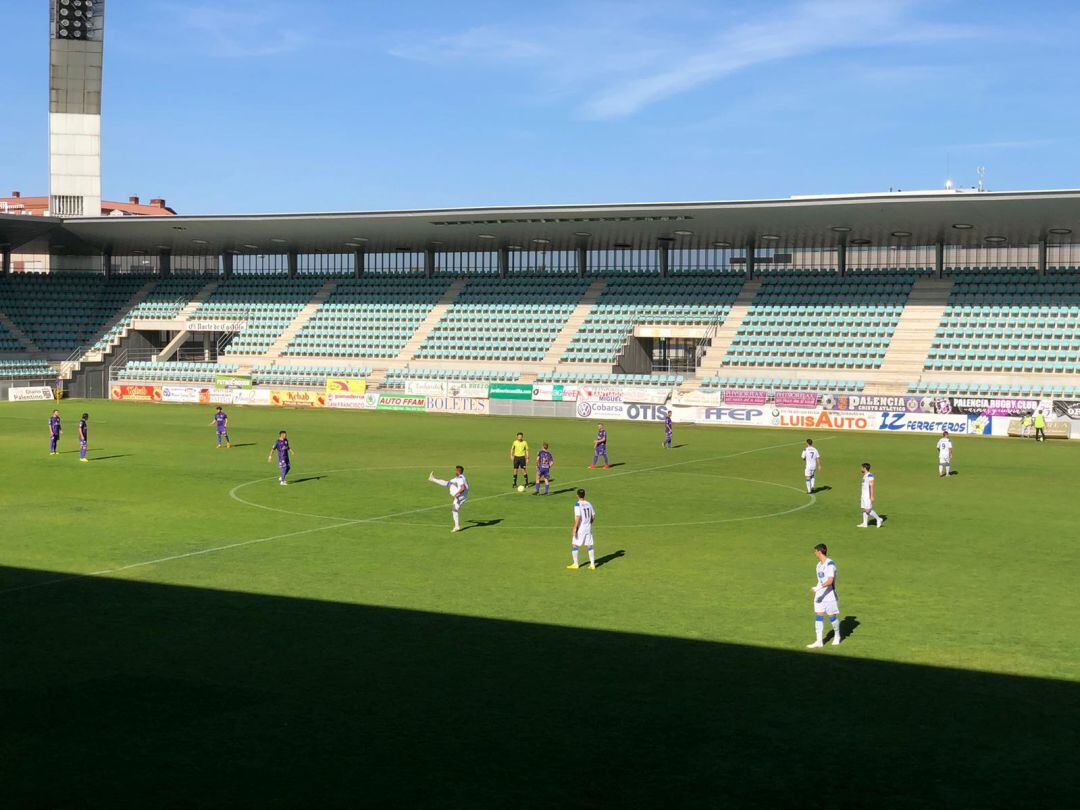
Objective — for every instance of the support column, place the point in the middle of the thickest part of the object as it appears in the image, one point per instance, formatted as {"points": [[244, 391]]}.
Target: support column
{"points": [[226, 264], [429, 262], [293, 263], [504, 262], [1041, 266], [841, 258], [582, 262], [206, 343], [5, 262], [106, 264], [165, 263], [939, 260], [750, 248], [358, 262], [663, 249]]}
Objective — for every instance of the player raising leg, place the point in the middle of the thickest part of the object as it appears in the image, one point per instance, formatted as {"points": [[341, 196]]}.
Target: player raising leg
{"points": [[825, 597], [581, 534], [459, 492]]}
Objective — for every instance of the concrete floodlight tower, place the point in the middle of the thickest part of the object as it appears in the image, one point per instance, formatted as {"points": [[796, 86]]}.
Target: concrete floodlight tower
{"points": [[76, 37]]}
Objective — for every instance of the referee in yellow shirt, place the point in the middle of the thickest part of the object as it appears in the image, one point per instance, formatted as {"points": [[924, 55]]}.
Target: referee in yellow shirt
{"points": [[519, 455]]}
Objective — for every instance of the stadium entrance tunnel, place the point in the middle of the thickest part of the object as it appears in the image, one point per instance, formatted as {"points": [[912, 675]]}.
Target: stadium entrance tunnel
{"points": [[118, 692]]}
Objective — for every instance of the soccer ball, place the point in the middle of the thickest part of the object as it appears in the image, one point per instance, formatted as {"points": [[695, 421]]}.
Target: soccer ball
{"points": [[521, 488]]}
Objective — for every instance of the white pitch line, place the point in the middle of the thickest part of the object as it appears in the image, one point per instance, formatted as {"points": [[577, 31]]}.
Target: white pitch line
{"points": [[343, 522]]}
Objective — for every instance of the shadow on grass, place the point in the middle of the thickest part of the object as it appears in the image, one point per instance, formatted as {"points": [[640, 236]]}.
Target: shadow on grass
{"points": [[817, 490], [481, 524], [107, 458], [308, 478], [122, 693], [610, 557], [245, 444]]}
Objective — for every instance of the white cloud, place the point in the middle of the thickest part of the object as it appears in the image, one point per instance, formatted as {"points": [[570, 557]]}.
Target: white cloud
{"points": [[244, 29], [616, 64]]}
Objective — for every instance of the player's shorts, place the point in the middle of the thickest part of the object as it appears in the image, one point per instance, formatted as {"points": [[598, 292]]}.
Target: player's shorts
{"points": [[284, 466], [810, 472], [222, 431], [82, 443], [459, 501], [543, 472], [582, 540], [519, 462], [827, 604], [866, 503], [942, 459]]}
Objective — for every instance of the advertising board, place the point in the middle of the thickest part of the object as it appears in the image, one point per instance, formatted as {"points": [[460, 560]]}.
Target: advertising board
{"points": [[359, 402], [742, 396], [297, 399], [510, 391], [406, 402], [338, 385], [632, 411], [35, 393], [425, 387], [795, 399], [446, 404], [136, 393], [184, 393], [232, 381]]}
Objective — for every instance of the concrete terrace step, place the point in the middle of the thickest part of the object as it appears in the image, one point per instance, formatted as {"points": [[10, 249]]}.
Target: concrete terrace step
{"points": [[429, 323], [301, 319], [713, 359], [913, 336], [570, 329]]}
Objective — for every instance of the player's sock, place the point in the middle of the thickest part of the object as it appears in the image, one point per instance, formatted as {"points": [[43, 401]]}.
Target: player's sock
{"points": [[819, 627], [835, 622], [864, 517], [573, 553], [457, 521], [515, 480], [438, 481], [537, 487], [547, 489], [875, 516], [948, 469], [595, 458], [592, 556]]}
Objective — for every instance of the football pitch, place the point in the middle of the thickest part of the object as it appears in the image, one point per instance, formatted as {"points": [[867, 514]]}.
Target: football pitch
{"points": [[176, 625]]}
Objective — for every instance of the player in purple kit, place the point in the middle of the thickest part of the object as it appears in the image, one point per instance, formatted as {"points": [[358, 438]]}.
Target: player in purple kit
{"points": [[283, 449], [221, 420], [544, 462], [600, 448], [54, 432], [83, 436], [667, 429]]}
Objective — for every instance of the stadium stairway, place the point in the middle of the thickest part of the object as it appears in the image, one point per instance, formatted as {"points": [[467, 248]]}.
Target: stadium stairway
{"points": [[92, 355], [298, 323], [21, 336], [198, 300], [713, 360], [572, 325], [429, 323], [914, 334]]}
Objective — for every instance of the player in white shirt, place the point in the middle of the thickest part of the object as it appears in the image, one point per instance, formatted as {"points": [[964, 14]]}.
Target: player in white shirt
{"points": [[812, 459], [824, 591], [944, 454], [581, 534], [459, 493], [867, 501]]}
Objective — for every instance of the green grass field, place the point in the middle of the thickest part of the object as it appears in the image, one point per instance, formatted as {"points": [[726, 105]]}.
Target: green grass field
{"points": [[174, 624]]}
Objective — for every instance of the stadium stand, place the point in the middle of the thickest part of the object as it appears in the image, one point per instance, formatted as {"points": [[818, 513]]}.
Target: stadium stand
{"points": [[778, 384], [820, 322], [151, 371], [303, 375], [582, 378], [166, 300], [504, 319], [372, 317], [8, 342], [61, 312], [627, 302], [396, 378], [26, 369], [268, 304], [1009, 321], [997, 389]]}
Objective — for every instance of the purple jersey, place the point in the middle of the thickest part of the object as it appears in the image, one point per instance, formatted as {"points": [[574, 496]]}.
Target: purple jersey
{"points": [[544, 459], [220, 418], [601, 436], [667, 424], [282, 447], [84, 435], [54, 425]]}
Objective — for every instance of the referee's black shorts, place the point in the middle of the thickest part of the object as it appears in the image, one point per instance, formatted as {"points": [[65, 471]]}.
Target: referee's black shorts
{"points": [[519, 462]]}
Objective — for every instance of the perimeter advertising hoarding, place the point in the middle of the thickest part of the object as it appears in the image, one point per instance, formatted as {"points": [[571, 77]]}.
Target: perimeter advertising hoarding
{"points": [[136, 393], [437, 388], [795, 399], [185, 393], [232, 381], [742, 396], [696, 398], [356, 402], [298, 399], [510, 391], [631, 411], [35, 393], [997, 406], [407, 402], [471, 405], [338, 385], [875, 402]]}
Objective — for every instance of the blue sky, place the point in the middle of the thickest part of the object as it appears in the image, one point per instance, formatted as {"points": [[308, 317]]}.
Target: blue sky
{"points": [[290, 105]]}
